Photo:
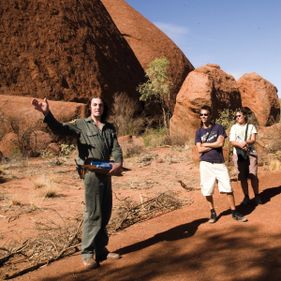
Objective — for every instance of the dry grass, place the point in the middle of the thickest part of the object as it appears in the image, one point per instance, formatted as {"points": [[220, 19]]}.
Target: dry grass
{"points": [[179, 141], [156, 137], [274, 164], [125, 118], [129, 212], [50, 245], [42, 181], [51, 194], [47, 186], [60, 238], [131, 150], [13, 208]]}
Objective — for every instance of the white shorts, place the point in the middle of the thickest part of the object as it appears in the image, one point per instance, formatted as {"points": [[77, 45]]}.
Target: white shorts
{"points": [[212, 172]]}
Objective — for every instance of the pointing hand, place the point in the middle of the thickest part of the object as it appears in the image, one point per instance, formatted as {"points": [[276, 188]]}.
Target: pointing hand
{"points": [[42, 106]]}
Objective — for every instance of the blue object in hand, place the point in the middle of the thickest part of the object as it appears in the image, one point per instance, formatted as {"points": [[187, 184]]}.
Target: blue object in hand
{"points": [[102, 165]]}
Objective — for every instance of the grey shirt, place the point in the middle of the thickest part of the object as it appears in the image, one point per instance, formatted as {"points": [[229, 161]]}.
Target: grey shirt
{"points": [[91, 141]]}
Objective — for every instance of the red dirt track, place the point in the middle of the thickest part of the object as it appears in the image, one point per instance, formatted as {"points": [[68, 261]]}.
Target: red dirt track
{"points": [[182, 245]]}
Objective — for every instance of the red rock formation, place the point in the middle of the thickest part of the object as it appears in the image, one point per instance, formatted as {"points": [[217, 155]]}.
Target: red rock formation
{"points": [[261, 97], [65, 50], [207, 85], [148, 42], [24, 128], [269, 139], [268, 145]]}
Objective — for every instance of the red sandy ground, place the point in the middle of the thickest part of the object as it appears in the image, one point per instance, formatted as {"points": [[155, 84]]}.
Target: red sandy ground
{"points": [[182, 245]]}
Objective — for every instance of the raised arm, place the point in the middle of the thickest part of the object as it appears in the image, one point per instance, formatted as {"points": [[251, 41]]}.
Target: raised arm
{"points": [[41, 106], [62, 129]]}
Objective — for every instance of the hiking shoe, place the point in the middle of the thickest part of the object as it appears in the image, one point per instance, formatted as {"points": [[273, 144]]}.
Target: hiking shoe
{"points": [[246, 201], [113, 256], [90, 264], [238, 217], [258, 200], [213, 218]]}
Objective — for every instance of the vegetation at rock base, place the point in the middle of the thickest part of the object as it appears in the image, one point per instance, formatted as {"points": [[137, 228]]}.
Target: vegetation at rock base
{"points": [[124, 115], [156, 137], [226, 118], [157, 87]]}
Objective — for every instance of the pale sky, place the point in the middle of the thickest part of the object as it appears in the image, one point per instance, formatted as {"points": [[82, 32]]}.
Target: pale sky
{"points": [[241, 36]]}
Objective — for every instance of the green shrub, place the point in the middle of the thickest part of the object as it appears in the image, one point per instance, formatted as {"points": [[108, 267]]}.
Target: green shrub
{"points": [[157, 87], [66, 149], [226, 118], [156, 137]]}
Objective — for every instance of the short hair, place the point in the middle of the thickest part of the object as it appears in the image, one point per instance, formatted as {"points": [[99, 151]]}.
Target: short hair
{"points": [[206, 107]]}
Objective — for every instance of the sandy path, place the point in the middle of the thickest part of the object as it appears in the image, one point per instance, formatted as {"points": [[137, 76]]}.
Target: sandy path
{"points": [[181, 245]]}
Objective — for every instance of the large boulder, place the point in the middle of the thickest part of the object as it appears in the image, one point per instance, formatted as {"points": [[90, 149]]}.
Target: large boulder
{"points": [[149, 42], [23, 129], [64, 50], [207, 85], [261, 97]]}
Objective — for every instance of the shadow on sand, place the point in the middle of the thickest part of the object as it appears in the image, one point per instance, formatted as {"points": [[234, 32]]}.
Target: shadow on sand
{"points": [[179, 232], [266, 196]]}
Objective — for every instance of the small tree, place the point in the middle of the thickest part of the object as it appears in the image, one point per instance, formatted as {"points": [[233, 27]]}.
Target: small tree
{"points": [[157, 86]]}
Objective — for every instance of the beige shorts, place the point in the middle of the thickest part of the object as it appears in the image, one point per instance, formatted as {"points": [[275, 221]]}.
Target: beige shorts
{"points": [[210, 173], [245, 168]]}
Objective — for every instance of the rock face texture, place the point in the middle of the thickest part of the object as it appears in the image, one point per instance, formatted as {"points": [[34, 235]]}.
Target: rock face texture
{"points": [[64, 50], [269, 139], [207, 85], [148, 42], [23, 129], [268, 146], [261, 97]]}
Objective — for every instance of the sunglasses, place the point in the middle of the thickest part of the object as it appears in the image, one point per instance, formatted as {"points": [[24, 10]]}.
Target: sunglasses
{"points": [[203, 114], [239, 115]]}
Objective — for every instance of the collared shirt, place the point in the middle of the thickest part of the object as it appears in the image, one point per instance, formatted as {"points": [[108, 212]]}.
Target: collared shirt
{"points": [[91, 141]]}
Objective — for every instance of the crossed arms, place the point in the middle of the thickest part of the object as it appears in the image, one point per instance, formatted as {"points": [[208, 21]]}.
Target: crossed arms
{"points": [[206, 146]]}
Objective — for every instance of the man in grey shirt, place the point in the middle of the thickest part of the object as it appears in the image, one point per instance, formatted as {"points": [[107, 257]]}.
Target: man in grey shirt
{"points": [[97, 141]]}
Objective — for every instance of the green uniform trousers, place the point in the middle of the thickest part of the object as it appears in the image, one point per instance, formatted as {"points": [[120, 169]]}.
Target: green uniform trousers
{"points": [[98, 200]]}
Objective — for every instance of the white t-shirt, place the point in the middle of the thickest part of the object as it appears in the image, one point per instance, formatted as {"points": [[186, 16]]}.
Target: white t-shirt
{"points": [[237, 133]]}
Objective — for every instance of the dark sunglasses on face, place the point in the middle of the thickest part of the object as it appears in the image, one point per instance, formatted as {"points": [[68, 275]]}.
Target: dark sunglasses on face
{"points": [[239, 115], [203, 114]]}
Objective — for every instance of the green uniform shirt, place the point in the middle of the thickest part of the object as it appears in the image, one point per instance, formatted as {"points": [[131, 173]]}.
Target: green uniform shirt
{"points": [[91, 141]]}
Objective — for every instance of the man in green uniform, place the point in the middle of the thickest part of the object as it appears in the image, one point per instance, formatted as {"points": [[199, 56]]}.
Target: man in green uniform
{"points": [[96, 140]]}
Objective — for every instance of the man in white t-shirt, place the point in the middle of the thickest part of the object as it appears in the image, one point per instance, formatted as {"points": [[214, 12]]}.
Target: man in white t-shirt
{"points": [[242, 137]]}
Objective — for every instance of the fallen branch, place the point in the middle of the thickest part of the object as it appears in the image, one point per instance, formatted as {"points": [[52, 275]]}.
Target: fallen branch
{"points": [[40, 264], [183, 185], [42, 249], [12, 253], [130, 214]]}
